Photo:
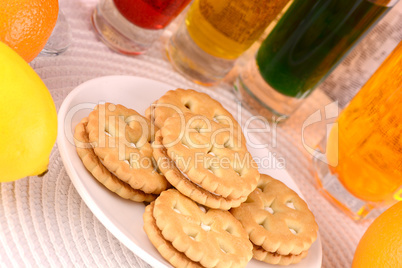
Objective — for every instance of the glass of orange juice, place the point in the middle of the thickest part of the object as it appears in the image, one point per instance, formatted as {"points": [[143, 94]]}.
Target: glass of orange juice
{"points": [[361, 170]]}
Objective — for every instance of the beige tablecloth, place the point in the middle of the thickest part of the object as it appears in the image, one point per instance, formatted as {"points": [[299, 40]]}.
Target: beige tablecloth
{"points": [[45, 223]]}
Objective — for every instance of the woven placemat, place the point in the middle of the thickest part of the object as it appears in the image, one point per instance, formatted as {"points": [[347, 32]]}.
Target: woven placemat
{"points": [[45, 223]]}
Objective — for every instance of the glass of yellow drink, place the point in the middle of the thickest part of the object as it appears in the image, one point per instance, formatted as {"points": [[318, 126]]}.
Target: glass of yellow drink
{"points": [[215, 33], [363, 169]]}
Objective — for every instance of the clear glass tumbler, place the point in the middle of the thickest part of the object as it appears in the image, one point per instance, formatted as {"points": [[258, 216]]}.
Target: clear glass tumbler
{"points": [[132, 26], [60, 39]]}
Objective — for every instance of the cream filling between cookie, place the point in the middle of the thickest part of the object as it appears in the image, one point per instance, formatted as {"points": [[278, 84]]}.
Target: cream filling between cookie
{"points": [[198, 185], [276, 253]]}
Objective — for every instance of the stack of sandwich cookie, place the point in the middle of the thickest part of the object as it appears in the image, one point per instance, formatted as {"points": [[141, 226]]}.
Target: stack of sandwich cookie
{"points": [[188, 235], [278, 222], [114, 144], [205, 161]]}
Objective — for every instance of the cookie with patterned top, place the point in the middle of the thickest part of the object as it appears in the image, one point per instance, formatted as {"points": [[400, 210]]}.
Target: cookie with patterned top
{"points": [[278, 221], [93, 164], [121, 138], [189, 101], [205, 161], [209, 237], [185, 185], [164, 247]]}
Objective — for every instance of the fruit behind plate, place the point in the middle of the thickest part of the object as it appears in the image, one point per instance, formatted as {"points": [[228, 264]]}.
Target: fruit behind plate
{"points": [[26, 26], [381, 244], [28, 121]]}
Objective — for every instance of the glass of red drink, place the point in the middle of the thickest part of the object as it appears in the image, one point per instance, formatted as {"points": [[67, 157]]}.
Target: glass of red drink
{"points": [[131, 26]]}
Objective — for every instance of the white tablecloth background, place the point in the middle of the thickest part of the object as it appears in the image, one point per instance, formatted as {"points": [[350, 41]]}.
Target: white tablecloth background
{"points": [[45, 223]]}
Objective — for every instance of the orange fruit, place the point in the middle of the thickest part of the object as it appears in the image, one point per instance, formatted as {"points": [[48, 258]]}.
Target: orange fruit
{"points": [[381, 244], [25, 25]]}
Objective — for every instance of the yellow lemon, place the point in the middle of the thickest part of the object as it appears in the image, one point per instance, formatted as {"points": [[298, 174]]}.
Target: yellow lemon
{"points": [[28, 119]]}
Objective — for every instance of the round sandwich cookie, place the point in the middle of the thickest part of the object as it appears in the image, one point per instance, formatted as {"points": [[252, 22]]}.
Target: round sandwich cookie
{"points": [[279, 223], [205, 161], [93, 164], [164, 247], [189, 101], [194, 235], [121, 138]]}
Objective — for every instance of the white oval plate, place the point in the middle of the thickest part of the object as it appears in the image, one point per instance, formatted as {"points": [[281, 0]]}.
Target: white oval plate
{"points": [[121, 217]]}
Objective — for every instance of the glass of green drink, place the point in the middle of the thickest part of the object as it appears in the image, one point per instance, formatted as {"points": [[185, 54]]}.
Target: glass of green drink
{"points": [[308, 42]]}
